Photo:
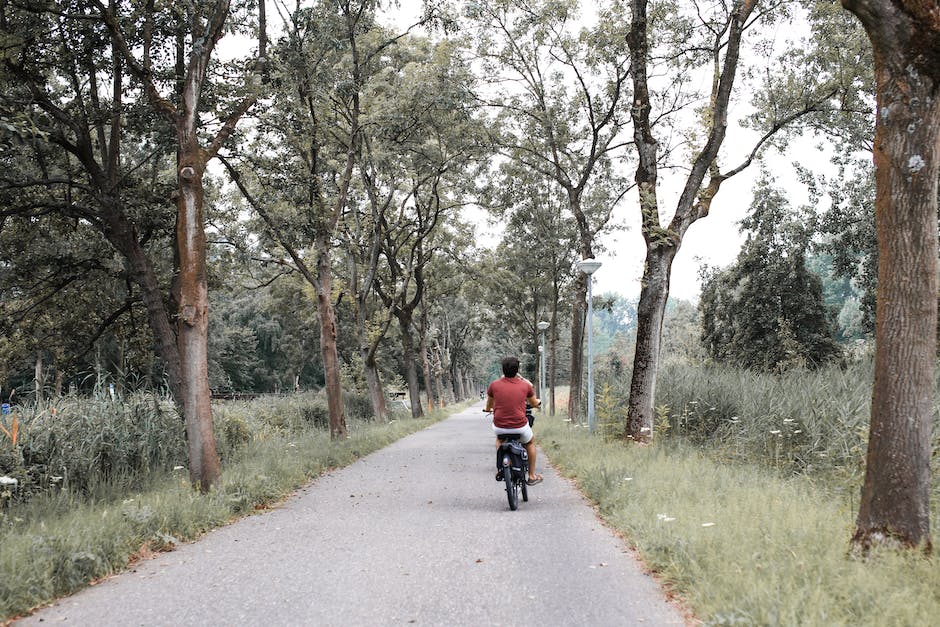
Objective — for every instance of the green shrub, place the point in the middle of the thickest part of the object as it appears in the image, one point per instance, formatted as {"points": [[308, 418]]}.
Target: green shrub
{"points": [[358, 407]]}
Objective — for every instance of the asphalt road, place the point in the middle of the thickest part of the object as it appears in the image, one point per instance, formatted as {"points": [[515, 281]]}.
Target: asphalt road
{"points": [[418, 533]]}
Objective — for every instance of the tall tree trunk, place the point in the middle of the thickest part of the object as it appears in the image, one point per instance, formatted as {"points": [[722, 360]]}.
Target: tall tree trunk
{"points": [[895, 499], [370, 370], [461, 384], [376, 391], [411, 369], [425, 364], [328, 351], [37, 377], [449, 381], [577, 342], [650, 312], [193, 333], [438, 382]]}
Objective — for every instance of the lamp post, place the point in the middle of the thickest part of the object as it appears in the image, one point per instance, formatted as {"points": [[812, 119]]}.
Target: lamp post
{"points": [[541, 327], [589, 267]]}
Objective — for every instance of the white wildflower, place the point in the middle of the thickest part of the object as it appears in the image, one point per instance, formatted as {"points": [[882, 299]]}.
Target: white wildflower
{"points": [[787, 420], [797, 431], [628, 478], [708, 524], [178, 467], [775, 432], [664, 517], [55, 479], [4, 480]]}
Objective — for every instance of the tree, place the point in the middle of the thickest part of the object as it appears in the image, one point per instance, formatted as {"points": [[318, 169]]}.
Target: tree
{"points": [[192, 37], [905, 39], [710, 37], [766, 310]]}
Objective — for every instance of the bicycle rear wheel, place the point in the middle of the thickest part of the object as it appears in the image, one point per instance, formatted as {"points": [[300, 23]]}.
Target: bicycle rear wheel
{"points": [[512, 488], [524, 485]]}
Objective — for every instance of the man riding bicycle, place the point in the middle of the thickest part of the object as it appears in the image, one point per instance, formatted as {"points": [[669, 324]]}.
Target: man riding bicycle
{"points": [[506, 397]]}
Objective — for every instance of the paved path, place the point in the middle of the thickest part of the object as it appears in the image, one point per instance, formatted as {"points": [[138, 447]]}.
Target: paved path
{"points": [[417, 533]]}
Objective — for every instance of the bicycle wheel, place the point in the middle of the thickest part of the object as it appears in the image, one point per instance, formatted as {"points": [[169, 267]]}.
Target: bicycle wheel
{"points": [[512, 488], [523, 484]]}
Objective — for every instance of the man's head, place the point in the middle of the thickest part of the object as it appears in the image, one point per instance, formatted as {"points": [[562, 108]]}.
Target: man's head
{"points": [[511, 366]]}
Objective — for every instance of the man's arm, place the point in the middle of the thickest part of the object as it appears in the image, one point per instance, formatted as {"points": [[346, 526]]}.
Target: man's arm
{"points": [[489, 403], [533, 400]]}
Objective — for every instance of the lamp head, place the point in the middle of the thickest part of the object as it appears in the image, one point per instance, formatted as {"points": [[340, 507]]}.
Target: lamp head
{"points": [[589, 266], [542, 325]]}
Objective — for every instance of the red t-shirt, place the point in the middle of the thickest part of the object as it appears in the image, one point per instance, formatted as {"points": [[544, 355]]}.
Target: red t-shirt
{"points": [[509, 396]]}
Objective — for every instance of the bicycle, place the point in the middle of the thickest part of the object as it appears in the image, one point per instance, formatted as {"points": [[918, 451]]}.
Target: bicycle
{"points": [[512, 463]]}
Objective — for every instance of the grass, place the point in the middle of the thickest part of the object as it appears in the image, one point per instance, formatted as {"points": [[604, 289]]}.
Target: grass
{"points": [[60, 541], [743, 544]]}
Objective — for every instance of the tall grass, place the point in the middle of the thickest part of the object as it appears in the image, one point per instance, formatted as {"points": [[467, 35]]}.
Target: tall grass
{"points": [[803, 421], [742, 544]]}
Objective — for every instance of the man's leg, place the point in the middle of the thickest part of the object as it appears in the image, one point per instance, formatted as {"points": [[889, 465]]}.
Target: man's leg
{"points": [[530, 449]]}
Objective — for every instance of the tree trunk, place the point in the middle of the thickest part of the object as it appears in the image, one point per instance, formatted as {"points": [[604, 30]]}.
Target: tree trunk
{"points": [[371, 372], [895, 501], [449, 381], [425, 364], [376, 391], [577, 341], [650, 312], [37, 378], [438, 383], [328, 352], [192, 337], [411, 369]]}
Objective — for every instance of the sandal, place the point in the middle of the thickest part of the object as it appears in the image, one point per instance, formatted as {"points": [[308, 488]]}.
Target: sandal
{"points": [[536, 481]]}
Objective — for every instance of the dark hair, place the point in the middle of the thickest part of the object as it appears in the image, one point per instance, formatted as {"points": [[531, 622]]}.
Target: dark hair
{"points": [[511, 366]]}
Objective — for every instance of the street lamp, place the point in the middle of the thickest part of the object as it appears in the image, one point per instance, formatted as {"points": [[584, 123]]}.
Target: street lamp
{"points": [[589, 267], [541, 327]]}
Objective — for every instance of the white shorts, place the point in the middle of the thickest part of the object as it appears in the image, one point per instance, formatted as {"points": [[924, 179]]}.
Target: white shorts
{"points": [[525, 432]]}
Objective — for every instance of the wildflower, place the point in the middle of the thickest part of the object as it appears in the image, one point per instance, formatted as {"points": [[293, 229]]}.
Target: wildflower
{"points": [[775, 432], [4, 480], [628, 478], [787, 420], [664, 517], [734, 419], [708, 524], [178, 467], [797, 431], [55, 479], [644, 429]]}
